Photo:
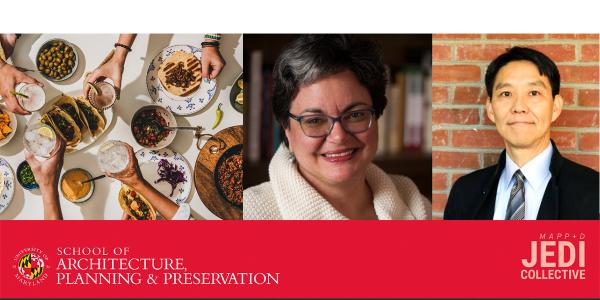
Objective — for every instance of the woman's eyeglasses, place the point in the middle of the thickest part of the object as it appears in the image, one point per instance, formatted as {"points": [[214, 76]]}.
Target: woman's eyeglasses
{"points": [[320, 125]]}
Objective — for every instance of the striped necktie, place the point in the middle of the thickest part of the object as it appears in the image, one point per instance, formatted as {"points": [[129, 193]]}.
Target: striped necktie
{"points": [[516, 203]]}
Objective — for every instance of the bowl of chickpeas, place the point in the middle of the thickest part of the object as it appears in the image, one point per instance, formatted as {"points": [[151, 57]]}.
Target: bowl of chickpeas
{"points": [[57, 60]]}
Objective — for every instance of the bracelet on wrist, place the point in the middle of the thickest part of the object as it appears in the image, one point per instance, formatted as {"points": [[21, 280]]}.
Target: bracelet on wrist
{"points": [[123, 46], [213, 36], [210, 44]]}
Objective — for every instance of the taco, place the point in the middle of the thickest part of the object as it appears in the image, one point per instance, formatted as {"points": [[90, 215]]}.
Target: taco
{"points": [[91, 117], [135, 205], [64, 125], [67, 104], [46, 120], [181, 73]]}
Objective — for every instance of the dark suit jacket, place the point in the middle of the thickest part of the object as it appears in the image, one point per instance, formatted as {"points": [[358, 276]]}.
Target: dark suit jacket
{"points": [[571, 193]]}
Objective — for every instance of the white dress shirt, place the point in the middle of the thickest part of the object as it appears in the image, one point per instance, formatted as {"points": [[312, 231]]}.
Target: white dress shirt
{"points": [[537, 175]]}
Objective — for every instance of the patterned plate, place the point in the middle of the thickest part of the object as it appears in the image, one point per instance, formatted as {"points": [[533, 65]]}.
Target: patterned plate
{"points": [[178, 105], [148, 161], [8, 183]]}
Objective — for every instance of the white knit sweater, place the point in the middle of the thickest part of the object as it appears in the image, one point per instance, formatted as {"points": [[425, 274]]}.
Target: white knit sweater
{"points": [[289, 196]]}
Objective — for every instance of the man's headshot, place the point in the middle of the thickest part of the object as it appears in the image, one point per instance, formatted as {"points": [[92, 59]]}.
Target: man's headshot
{"points": [[531, 179]]}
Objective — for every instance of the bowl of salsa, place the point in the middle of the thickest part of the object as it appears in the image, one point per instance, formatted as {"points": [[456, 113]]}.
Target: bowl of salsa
{"points": [[148, 127]]}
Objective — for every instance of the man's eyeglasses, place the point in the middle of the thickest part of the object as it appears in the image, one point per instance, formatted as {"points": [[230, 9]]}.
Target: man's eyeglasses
{"points": [[320, 125]]}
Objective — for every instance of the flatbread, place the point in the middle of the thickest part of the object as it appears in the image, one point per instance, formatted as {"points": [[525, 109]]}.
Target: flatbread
{"points": [[92, 118], [56, 113], [126, 203], [68, 104], [189, 62]]}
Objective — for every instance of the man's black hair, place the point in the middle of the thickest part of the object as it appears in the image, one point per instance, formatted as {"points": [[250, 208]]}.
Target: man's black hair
{"points": [[545, 66]]}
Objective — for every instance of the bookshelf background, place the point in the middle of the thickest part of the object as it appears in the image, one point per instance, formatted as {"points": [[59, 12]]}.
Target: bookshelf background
{"points": [[408, 61]]}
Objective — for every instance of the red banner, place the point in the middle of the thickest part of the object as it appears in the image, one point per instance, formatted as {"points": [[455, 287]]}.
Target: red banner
{"points": [[351, 259]]}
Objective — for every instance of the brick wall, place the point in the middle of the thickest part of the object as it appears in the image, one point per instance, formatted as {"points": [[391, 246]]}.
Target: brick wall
{"points": [[464, 139]]}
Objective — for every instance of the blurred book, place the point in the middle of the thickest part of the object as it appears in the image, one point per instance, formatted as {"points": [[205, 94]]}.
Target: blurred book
{"points": [[255, 107], [427, 110], [426, 62], [384, 121], [266, 120], [413, 114], [396, 108]]}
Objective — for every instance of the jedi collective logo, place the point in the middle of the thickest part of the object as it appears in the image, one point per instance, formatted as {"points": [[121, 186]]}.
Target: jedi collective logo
{"points": [[30, 265], [556, 256]]}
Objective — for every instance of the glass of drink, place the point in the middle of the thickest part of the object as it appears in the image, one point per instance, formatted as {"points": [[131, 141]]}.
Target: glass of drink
{"points": [[40, 139], [30, 96], [102, 95], [113, 156]]}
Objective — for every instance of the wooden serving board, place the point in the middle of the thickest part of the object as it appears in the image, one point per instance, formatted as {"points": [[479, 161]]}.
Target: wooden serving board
{"points": [[204, 177]]}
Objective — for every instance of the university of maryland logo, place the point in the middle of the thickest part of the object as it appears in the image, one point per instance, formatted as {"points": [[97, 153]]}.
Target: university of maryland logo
{"points": [[31, 266]]}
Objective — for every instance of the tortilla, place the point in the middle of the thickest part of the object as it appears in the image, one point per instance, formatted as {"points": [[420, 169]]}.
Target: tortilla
{"points": [[67, 104], [190, 64], [91, 117], [64, 125], [135, 205], [46, 120]]}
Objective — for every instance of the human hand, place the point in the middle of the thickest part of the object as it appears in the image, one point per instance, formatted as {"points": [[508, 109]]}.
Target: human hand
{"points": [[126, 216], [112, 69], [9, 78], [47, 172], [212, 62], [131, 176], [8, 42]]}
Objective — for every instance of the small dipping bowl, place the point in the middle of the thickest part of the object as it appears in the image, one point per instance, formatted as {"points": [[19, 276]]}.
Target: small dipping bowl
{"points": [[65, 185], [29, 186]]}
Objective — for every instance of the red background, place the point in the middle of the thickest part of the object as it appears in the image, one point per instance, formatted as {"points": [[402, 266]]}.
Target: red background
{"points": [[316, 259]]}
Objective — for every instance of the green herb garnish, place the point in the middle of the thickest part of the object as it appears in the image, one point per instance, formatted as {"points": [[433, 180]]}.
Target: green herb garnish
{"points": [[26, 175]]}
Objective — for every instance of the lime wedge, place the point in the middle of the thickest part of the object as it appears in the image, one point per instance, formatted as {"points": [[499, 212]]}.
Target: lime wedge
{"points": [[47, 132], [240, 98], [104, 147], [94, 89]]}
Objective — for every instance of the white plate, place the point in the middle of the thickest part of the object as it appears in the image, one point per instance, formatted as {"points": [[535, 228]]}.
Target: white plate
{"points": [[87, 139], [178, 105], [9, 184], [148, 161], [13, 126]]}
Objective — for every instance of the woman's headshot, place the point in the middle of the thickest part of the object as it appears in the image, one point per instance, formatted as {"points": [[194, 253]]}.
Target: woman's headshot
{"points": [[328, 92]]}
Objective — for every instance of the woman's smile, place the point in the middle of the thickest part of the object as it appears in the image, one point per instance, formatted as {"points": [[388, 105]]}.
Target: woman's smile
{"points": [[340, 155]]}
